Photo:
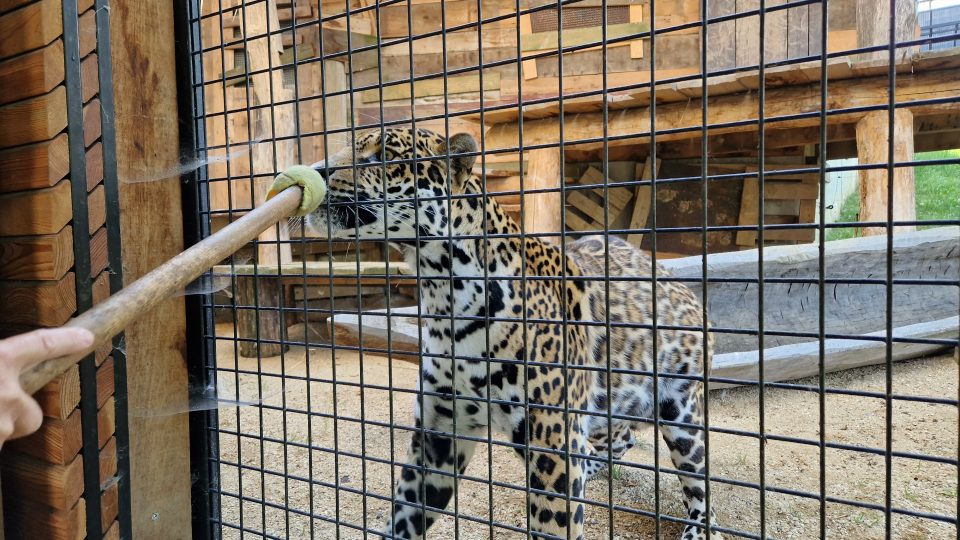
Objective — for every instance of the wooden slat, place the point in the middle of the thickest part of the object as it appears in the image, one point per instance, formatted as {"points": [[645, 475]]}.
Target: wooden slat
{"points": [[46, 257], [109, 506], [89, 77], [108, 460], [38, 303], [87, 33], [749, 212], [37, 119], [30, 520], [104, 382], [57, 441], [641, 201], [43, 211], [106, 421], [57, 486], [34, 166], [113, 533], [61, 396], [96, 209], [459, 84], [30, 27], [91, 122], [32, 74], [94, 164], [547, 41], [101, 291], [98, 252]]}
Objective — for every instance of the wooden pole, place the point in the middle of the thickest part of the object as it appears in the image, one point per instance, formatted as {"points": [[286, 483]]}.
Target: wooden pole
{"points": [[109, 317], [872, 132], [542, 210]]}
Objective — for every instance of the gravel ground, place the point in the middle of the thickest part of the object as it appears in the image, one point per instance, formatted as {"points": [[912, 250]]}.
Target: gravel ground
{"points": [[273, 476]]}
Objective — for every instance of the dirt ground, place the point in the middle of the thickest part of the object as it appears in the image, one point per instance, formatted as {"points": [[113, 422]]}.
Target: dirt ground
{"points": [[273, 476]]}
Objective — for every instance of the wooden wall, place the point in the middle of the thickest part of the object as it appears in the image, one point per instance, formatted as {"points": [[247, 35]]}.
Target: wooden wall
{"points": [[39, 285]]}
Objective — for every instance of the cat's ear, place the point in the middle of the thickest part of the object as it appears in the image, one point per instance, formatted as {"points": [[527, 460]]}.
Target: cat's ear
{"points": [[462, 149]]}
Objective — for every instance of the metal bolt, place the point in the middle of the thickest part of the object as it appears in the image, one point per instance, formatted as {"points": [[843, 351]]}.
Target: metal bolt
{"points": [[155, 516]]}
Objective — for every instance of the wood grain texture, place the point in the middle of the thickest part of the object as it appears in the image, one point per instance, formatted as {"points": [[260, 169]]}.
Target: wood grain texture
{"points": [[43, 211], [872, 149], [34, 166], [104, 382], [31, 74], [46, 257], [151, 224], [57, 486], [91, 122], [31, 520], [89, 77], [38, 303], [106, 421], [94, 165], [30, 27], [96, 209], [60, 397], [108, 460], [543, 210], [87, 32], [98, 252], [38, 119], [109, 506], [57, 441]]}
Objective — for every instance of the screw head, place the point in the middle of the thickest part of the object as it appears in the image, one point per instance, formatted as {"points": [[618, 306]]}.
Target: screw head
{"points": [[155, 516]]}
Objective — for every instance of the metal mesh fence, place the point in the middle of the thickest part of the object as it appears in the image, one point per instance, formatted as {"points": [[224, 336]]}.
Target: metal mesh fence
{"points": [[626, 301]]}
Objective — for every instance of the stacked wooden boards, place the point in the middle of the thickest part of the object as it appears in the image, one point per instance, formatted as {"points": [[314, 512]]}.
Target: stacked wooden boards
{"points": [[43, 475]]}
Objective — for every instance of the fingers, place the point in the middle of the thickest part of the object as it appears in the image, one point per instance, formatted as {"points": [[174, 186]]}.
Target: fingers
{"points": [[30, 418], [33, 347]]}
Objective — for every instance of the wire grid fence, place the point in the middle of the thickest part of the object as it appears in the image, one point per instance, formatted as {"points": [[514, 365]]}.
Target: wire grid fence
{"points": [[311, 442]]}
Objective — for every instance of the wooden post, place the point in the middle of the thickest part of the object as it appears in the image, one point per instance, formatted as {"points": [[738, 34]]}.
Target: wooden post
{"points": [[542, 210], [873, 28], [872, 132], [151, 225]]}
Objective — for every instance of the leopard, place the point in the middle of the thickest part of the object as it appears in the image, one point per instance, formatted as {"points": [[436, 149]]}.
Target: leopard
{"points": [[548, 344]]}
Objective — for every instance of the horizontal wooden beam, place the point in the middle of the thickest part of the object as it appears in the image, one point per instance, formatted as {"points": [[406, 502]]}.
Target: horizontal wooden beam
{"points": [[459, 84], [60, 396], [57, 486], [546, 41], [32, 74], [42, 211], [34, 166], [780, 102], [46, 257], [37, 119], [38, 303], [26, 519], [30, 27], [57, 441]]}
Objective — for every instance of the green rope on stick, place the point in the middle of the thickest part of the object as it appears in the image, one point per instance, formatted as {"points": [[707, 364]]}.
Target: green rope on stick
{"points": [[313, 185]]}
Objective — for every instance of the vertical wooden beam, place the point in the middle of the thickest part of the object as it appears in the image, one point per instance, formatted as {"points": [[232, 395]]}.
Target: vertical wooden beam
{"points": [[872, 140], [873, 27], [151, 222], [542, 210]]}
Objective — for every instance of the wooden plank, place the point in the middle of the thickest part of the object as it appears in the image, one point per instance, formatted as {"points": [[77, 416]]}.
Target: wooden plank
{"points": [[46, 257], [43, 211], [31, 74], [721, 36], [923, 87], [37, 119], [61, 396], [748, 34], [543, 210], [101, 291], [776, 33], [528, 67], [459, 84], [749, 212], [30, 27], [113, 533], [872, 149], [96, 209], [34, 166], [636, 16], [109, 506], [587, 207], [550, 41], [89, 77], [87, 33], [798, 31], [108, 461], [151, 225], [106, 421], [38, 303], [98, 252], [104, 382], [91, 122], [641, 205], [57, 441], [30, 520], [57, 486], [94, 166]]}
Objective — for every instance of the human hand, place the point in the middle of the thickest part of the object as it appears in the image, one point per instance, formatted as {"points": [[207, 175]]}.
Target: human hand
{"points": [[20, 415]]}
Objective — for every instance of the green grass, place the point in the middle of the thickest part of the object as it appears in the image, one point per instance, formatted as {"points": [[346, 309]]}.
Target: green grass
{"points": [[938, 194]]}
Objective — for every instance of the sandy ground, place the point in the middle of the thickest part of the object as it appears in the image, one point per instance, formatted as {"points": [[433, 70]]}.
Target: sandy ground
{"points": [[273, 476]]}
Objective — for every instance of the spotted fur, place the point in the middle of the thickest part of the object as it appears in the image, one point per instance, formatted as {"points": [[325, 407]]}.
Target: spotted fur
{"points": [[533, 374]]}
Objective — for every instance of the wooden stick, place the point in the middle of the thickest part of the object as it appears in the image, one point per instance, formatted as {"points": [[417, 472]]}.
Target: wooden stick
{"points": [[108, 318]]}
